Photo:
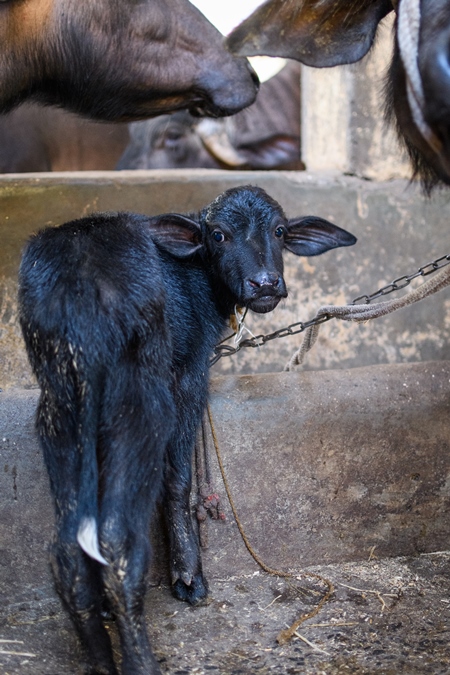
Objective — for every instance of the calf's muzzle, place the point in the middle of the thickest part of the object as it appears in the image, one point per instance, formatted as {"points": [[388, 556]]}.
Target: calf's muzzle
{"points": [[264, 291]]}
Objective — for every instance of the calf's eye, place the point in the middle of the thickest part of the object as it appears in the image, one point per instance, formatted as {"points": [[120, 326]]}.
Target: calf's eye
{"points": [[218, 236], [279, 232]]}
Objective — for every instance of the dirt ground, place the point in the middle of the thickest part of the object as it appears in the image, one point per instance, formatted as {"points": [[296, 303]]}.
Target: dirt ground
{"points": [[387, 616]]}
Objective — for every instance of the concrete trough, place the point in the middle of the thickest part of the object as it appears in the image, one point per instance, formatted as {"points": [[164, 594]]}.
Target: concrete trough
{"points": [[328, 466]]}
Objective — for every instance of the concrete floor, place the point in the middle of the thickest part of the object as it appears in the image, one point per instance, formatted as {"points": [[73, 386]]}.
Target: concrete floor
{"points": [[386, 616]]}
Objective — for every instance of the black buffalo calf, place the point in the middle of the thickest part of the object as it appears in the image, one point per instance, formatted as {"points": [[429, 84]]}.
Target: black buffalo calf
{"points": [[120, 313]]}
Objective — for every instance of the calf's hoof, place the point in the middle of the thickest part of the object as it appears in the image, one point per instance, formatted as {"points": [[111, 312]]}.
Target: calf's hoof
{"points": [[195, 593]]}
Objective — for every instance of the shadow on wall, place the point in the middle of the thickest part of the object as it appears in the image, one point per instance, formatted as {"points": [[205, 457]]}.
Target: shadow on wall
{"points": [[264, 136]]}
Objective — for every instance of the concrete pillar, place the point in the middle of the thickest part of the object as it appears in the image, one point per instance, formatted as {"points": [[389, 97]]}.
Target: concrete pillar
{"points": [[343, 129]]}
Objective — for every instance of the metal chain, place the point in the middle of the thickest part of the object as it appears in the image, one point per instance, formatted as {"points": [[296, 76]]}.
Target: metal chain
{"points": [[404, 281], [222, 350]]}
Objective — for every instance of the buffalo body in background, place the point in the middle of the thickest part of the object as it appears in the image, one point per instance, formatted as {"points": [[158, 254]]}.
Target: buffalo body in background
{"points": [[325, 33]]}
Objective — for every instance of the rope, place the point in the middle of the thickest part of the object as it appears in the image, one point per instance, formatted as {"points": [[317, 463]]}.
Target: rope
{"points": [[284, 635], [208, 501], [366, 312], [408, 30]]}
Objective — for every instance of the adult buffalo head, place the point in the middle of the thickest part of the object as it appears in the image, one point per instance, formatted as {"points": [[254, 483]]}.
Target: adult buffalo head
{"points": [[118, 60], [324, 33]]}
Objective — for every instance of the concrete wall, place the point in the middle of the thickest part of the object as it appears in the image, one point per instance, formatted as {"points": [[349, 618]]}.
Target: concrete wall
{"points": [[398, 230], [343, 126]]}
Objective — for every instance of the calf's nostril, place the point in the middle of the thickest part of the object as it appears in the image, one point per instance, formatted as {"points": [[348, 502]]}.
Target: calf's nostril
{"points": [[254, 283], [271, 280]]}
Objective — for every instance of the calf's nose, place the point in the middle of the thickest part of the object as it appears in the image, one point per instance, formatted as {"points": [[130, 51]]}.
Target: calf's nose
{"points": [[265, 281]]}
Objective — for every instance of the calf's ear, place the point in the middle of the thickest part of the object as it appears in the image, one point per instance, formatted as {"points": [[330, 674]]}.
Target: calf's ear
{"points": [[177, 234], [310, 235], [318, 33]]}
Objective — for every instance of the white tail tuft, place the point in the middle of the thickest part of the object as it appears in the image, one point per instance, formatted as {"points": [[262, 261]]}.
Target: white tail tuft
{"points": [[88, 539]]}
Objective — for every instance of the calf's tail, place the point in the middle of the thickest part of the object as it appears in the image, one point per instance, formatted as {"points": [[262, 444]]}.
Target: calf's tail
{"points": [[87, 537], [87, 534]]}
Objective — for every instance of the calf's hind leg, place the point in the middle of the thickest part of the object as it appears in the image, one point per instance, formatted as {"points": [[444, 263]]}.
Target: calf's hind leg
{"points": [[78, 581], [133, 440], [77, 577]]}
